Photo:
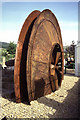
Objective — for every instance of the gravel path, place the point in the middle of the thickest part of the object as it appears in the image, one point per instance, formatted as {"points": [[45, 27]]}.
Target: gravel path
{"points": [[63, 103]]}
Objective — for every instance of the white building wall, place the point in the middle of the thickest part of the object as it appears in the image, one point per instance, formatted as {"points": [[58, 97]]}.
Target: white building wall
{"points": [[77, 60]]}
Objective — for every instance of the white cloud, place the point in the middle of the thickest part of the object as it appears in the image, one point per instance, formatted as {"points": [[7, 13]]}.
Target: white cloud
{"points": [[9, 35], [69, 31], [68, 24], [68, 36]]}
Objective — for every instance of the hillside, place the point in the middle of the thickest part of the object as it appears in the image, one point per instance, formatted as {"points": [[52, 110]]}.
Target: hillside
{"points": [[4, 45]]}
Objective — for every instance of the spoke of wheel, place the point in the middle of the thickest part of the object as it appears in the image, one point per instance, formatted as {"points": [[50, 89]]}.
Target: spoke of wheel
{"points": [[53, 71], [57, 57], [56, 81], [57, 67], [52, 60], [60, 72], [52, 66]]}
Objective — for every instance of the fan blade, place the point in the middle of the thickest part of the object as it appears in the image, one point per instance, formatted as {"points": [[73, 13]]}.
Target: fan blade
{"points": [[62, 76], [56, 81], [52, 66], [57, 67], [53, 71], [61, 73], [52, 60], [57, 57]]}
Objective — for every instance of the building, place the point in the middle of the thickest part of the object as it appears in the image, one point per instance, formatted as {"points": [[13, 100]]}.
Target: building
{"points": [[77, 59]]}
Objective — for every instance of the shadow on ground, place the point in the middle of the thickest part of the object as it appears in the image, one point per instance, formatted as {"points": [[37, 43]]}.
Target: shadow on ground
{"points": [[8, 84], [69, 108]]}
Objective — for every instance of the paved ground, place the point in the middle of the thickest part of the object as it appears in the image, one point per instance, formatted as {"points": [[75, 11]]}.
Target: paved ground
{"points": [[64, 103]]}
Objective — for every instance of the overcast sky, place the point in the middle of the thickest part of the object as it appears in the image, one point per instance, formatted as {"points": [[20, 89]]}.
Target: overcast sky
{"points": [[15, 13]]}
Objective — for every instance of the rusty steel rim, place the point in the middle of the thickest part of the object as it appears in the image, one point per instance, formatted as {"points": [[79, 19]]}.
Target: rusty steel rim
{"points": [[21, 91]]}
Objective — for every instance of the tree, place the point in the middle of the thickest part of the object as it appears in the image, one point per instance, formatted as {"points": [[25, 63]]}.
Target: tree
{"points": [[4, 52], [11, 48], [70, 50]]}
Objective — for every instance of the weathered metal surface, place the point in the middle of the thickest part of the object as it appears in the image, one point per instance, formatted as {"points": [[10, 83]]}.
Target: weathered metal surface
{"points": [[45, 34], [20, 58], [39, 57]]}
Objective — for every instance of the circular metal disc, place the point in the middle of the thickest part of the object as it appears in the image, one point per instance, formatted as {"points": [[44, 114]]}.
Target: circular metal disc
{"points": [[45, 33]]}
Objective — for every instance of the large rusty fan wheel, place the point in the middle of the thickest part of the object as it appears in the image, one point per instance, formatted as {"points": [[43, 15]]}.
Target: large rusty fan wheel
{"points": [[39, 57], [44, 36]]}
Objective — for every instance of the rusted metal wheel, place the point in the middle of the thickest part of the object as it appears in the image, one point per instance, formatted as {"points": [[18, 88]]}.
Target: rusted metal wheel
{"points": [[45, 36], [39, 57]]}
